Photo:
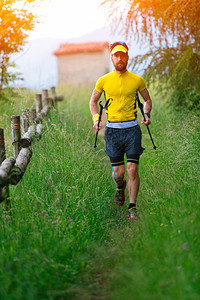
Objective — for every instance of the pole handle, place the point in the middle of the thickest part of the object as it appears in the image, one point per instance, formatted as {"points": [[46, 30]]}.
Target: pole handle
{"points": [[100, 114]]}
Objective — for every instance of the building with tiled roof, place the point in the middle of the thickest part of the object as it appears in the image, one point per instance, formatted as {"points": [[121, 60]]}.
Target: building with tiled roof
{"points": [[82, 63]]}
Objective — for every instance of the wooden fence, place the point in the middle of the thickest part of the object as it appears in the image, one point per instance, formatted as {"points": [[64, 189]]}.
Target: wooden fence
{"points": [[13, 168]]}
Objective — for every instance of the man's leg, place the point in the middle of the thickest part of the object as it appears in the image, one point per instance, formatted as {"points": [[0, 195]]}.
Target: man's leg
{"points": [[133, 181], [133, 188], [118, 176]]}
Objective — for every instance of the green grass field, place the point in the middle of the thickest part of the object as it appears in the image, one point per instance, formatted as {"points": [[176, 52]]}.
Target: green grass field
{"points": [[66, 239]]}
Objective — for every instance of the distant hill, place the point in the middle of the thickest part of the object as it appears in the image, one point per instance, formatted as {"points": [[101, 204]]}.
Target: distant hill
{"points": [[38, 65]]}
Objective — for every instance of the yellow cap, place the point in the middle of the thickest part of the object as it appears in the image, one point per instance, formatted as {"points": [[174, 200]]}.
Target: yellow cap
{"points": [[119, 48]]}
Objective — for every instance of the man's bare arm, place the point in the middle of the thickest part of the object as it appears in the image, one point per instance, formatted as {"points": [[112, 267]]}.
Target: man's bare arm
{"points": [[93, 102], [147, 101], [147, 105], [94, 107]]}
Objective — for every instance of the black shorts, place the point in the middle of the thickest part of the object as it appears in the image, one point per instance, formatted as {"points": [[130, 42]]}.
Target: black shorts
{"points": [[123, 141]]}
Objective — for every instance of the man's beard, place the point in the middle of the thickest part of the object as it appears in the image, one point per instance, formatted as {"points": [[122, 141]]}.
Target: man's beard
{"points": [[120, 66]]}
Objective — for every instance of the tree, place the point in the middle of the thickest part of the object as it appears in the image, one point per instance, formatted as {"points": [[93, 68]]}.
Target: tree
{"points": [[172, 29], [16, 19]]}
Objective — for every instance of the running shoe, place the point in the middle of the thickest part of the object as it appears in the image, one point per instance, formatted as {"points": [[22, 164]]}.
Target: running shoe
{"points": [[132, 213], [120, 194]]}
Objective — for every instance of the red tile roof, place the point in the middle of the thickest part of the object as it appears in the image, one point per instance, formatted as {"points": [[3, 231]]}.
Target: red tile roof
{"points": [[81, 48]]}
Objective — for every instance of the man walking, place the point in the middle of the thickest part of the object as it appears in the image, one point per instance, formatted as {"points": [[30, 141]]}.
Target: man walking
{"points": [[122, 132]]}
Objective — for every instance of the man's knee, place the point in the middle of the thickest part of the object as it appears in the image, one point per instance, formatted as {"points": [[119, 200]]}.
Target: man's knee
{"points": [[132, 170], [118, 172]]}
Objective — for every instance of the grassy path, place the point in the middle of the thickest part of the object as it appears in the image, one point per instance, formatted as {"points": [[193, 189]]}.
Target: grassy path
{"points": [[65, 238]]}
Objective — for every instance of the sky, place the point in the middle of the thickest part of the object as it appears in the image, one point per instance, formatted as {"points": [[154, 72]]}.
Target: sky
{"points": [[69, 18]]}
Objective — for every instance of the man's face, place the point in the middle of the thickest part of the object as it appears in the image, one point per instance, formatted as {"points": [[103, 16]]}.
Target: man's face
{"points": [[120, 61]]}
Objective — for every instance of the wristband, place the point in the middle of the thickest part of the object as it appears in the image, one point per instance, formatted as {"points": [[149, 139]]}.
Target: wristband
{"points": [[148, 115], [95, 118]]}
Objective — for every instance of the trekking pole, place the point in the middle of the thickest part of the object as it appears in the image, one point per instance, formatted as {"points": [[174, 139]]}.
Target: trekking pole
{"points": [[100, 114], [142, 111]]}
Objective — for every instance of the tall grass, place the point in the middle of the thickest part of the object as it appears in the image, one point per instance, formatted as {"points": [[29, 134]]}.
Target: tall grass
{"points": [[65, 238], [57, 210], [157, 257]]}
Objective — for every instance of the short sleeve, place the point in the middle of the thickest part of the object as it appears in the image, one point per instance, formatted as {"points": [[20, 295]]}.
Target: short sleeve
{"points": [[142, 85], [99, 85]]}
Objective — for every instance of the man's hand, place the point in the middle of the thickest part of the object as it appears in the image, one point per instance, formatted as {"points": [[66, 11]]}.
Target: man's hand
{"points": [[147, 122], [95, 126], [147, 106]]}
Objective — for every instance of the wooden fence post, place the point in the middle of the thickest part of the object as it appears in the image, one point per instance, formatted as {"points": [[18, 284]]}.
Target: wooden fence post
{"points": [[45, 97], [16, 134], [38, 103], [25, 120], [2, 146], [4, 192], [33, 115], [38, 107], [56, 97], [53, 91]]}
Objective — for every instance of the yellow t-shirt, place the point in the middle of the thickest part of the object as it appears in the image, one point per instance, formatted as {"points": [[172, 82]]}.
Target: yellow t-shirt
{"points": [[122, 89]]}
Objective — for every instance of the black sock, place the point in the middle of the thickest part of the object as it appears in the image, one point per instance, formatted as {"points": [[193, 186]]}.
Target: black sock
{"points": [[120, 186], [131, 205]]}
